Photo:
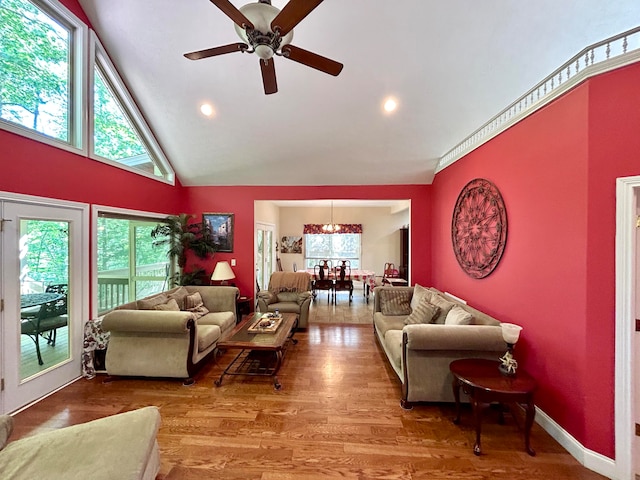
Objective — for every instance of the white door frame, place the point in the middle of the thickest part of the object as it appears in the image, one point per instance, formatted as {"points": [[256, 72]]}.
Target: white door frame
{"points": [[627, 194], [80, 267]]}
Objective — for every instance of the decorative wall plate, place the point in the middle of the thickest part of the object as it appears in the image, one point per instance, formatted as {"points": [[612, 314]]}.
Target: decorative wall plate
{"points": [[479, 228]]}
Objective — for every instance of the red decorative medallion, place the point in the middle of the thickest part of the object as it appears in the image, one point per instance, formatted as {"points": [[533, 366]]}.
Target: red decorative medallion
{"points": [[479, 228]]}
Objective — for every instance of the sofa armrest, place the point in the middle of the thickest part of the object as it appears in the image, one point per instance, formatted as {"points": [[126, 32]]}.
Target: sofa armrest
{"points": [[156, 321], [267, 297], [454, 337], [303, 297]]}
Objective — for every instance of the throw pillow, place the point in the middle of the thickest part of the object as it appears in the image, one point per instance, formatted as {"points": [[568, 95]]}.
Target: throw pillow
{"points": [[179, 295], [149, 303], [424, 312], [193, 303], [419, 292], [395, 301], [171, 305], [6, 427], [445, 307], [458, 316]]}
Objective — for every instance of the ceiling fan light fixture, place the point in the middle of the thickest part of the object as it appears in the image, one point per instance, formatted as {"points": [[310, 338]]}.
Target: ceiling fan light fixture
{"points": [[261, 37]]}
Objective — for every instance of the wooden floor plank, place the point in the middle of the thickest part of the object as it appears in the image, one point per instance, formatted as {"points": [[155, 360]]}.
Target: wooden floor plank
{"points": [[338, 416]]}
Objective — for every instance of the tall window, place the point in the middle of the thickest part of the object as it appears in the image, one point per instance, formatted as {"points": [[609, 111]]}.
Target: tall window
{"points": [[335, 247], [36, 69], [129, 265]]}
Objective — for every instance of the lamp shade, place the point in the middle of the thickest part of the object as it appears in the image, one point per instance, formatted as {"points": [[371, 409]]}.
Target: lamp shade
{"points": [[222, 272], [510, 332]]}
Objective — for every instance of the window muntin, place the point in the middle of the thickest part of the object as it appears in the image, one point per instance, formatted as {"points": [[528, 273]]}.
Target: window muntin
{"points": [[36, 69], [335, 247]]}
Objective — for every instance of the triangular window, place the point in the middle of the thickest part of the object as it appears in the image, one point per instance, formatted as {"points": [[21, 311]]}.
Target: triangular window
{"points": [[120, 133]]}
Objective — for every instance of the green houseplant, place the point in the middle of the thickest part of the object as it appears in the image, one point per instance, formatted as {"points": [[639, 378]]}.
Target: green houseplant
{"points": [[182, 236]]}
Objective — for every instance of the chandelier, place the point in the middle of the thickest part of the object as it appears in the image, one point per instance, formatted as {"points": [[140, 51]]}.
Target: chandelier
{"points": [[331, 227]]}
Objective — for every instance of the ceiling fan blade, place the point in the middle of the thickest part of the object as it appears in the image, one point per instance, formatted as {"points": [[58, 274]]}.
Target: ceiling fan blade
{"points": [[292, 14], [312, 60], [212, 52], [268, 76], [233, 13]]}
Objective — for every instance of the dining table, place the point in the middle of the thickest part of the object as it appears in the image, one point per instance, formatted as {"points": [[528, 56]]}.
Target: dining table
{"points": [[367, 277], [28, 302]]}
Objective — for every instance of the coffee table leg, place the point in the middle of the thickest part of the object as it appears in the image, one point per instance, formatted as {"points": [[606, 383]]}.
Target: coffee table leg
{"points": [[477, 410], [456, 394], [528, 423]]}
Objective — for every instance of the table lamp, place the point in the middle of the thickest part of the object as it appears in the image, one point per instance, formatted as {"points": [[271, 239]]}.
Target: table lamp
{"points": [[510, 334], [222, 273]]}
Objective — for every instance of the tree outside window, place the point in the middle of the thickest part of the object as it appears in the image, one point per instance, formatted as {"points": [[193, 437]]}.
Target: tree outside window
{"points": [[34, 69]]}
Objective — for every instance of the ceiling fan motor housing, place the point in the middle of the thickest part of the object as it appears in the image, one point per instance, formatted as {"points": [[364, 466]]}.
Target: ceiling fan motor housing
{"points": [[264, 41]]}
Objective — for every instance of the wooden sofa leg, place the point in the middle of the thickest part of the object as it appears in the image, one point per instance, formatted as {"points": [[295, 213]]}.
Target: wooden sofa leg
{"points": [[188, 381], [406, 405]]}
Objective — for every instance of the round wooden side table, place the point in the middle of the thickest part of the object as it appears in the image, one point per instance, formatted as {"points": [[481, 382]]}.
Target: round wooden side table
{"points": [[483, 382]]}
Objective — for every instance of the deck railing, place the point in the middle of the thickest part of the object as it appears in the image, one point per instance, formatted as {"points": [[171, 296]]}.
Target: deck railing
{"points": [[614, 52], [115, 286]]}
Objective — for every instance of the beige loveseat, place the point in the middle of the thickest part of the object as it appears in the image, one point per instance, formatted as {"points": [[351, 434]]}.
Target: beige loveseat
{"points": [[409, 323], [289, 292], [122, 447], [157, 337]]}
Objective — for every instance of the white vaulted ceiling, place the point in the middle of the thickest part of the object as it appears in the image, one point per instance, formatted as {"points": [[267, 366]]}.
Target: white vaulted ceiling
{"points": [[451, 65]]}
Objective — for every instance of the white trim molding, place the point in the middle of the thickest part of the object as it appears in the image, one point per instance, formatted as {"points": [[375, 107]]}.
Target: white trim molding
{"points": [[627, 192], [604, 56], [590, 459]]}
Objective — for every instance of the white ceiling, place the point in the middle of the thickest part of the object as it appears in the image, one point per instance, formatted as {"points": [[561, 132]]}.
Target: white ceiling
{"points": [[451, 65]]}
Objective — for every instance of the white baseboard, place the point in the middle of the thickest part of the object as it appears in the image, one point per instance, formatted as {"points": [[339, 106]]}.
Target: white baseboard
{"points": [[590, 459]]}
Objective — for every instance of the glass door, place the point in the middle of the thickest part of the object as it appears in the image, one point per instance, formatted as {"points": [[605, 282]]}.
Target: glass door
{"points": [[42, 259], [265, 252]]}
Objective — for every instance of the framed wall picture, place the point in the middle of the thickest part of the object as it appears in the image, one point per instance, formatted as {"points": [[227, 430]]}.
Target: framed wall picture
{"points": [[291, 245], [221, 225]]}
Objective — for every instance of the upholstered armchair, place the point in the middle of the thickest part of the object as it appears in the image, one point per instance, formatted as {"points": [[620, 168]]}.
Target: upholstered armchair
{"points": [[289, 292]]}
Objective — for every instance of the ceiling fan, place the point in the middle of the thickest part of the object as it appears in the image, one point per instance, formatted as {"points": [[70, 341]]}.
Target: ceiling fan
{"points": [[268, 31]]}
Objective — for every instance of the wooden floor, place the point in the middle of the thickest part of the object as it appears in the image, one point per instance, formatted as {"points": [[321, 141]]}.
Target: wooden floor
{"points": [[336, 416]]}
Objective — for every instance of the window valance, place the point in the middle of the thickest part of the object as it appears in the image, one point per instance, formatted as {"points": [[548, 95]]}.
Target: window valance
{"points": [[316, 228]]}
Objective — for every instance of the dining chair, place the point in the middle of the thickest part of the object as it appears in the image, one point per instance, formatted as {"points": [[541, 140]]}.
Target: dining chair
{"points": [[391, 276], [322, 280], [51, 316], [343, 281]]}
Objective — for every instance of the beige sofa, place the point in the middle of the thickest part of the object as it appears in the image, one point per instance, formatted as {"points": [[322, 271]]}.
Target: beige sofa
{"points": [[289, 292], [157, 337], [420, 346], [122, 447]]}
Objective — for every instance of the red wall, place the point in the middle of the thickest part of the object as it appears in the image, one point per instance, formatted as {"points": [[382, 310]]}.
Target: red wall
{"points": [[34, 168], [240, 201], [614, 151], [556, 171]]}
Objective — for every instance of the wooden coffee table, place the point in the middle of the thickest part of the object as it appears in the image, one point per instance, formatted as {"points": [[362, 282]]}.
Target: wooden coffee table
{"points": [[484, 384], [261, 354]]}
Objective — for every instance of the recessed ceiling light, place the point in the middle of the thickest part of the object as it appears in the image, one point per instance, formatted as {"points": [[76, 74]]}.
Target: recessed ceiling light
{"points": [[206, 109], [390, 105]]}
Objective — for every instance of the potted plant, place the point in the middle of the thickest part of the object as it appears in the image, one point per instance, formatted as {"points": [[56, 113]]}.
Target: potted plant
{"points": [[183, 236]]}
